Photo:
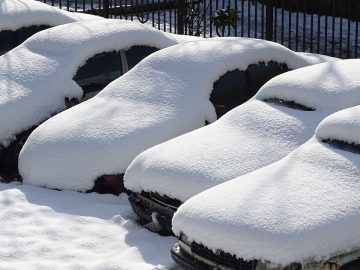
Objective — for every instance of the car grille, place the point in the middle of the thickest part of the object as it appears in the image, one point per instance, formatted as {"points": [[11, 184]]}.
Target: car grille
{"points": [[222, 258]]}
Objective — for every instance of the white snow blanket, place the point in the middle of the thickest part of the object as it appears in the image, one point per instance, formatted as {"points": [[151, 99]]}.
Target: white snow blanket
{"points": [[15, 14], [165, 95], [305, 207], [250, 136], [45, 229], [36, 76]]}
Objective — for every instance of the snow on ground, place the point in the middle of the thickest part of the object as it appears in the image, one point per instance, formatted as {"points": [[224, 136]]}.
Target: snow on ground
{"points": [[304, 207], [36, 77], [47, 229], [15, 14], [165, 95], [250, 136]]}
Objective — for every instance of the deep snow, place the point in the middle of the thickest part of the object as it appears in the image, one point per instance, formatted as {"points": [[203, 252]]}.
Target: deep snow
{"points": [[165, 95], [250, 136], [302, 208], [46, 229]]}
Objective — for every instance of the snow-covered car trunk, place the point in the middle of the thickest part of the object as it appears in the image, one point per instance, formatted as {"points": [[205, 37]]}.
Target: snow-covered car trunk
{"points": [[165, 95], [282, 116], [304, 208], [20, 19], [58, 67]]}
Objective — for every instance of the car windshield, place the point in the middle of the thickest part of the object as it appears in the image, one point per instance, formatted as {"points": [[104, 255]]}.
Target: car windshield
{"points": [[10, 39], [289, 104], [236, 87], [342, 145]]}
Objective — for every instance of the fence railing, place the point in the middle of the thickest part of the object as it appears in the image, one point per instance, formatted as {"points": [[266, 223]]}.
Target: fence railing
{"points": [[328, 27]]}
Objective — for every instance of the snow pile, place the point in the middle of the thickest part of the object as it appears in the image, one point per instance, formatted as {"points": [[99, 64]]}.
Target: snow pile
{"points": [[44, 229], [36, 76], [250, 136], [302, 208], [165, 95], [342, 126], [15, 14]]}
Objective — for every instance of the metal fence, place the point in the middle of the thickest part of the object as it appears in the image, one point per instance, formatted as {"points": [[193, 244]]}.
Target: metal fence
{"points": [[328, 27]]}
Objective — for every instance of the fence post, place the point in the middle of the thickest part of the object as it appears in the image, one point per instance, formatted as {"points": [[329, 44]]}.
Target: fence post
{"points": [[106, 12], [181, 14], [269, 20]]}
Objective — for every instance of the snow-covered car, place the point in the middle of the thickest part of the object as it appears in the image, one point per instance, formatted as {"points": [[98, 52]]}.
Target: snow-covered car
{"points": [[61, 66], [281, 117], [20, 19], [302, 212], [165, 95]]}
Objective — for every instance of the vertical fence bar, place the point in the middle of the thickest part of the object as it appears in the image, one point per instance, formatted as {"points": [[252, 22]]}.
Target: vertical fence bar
{"points": [[255, 18], [297, 27], [262, 19], [211, 22], [164, 14], [282, 22], [304, 27], [269, 20], [249, 18], [204, 18], [105, 8], [76, 4], [356, 28], [326, 30], [170, 15], [275, 24], [289, 34], [348, 30], [236, 25], [180, 16], [333, 29], [318, 31], [311, 31], [242, 18], [341, 30]]}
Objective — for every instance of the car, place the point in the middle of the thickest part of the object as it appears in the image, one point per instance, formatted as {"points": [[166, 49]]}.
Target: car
{"points": [[88, 147], [20, 19], [281, 117], [302, 212], [64, 65]]}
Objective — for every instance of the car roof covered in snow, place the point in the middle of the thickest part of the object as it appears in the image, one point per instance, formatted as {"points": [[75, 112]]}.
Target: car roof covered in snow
{"points": [[15, 14], [302, 208], [251, 136], [36, 77], [165, 95]]}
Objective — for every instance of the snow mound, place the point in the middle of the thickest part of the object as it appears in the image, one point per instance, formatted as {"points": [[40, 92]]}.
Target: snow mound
{"points": [[302, 208], [45, 229], [36, 76], [15, 14], [250, 136], [342, 126], [165, 95]]}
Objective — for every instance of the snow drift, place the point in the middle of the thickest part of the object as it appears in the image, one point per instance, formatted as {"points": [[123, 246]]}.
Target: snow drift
{"points": [[302, 208]]}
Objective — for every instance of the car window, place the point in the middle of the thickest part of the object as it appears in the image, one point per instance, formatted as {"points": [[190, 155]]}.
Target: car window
{"points": [[354, 265], [289, 104], [342, 145], [99, 71], [10, 39], [136, 53], [236, 87]]}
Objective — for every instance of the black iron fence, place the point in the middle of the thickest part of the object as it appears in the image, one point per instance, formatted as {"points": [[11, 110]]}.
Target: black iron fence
{"points": [[320, 26]]}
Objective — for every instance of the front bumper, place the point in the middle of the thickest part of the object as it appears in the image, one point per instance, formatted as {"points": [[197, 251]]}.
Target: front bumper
{"points": [[192, 256], [148, 207]]}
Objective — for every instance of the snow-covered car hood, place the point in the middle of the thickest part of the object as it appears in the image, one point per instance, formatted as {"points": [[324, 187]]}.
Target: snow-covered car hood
{"points": [[250, 136], [302, 208], [36, 77], [15, 14], [165, 95]]}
